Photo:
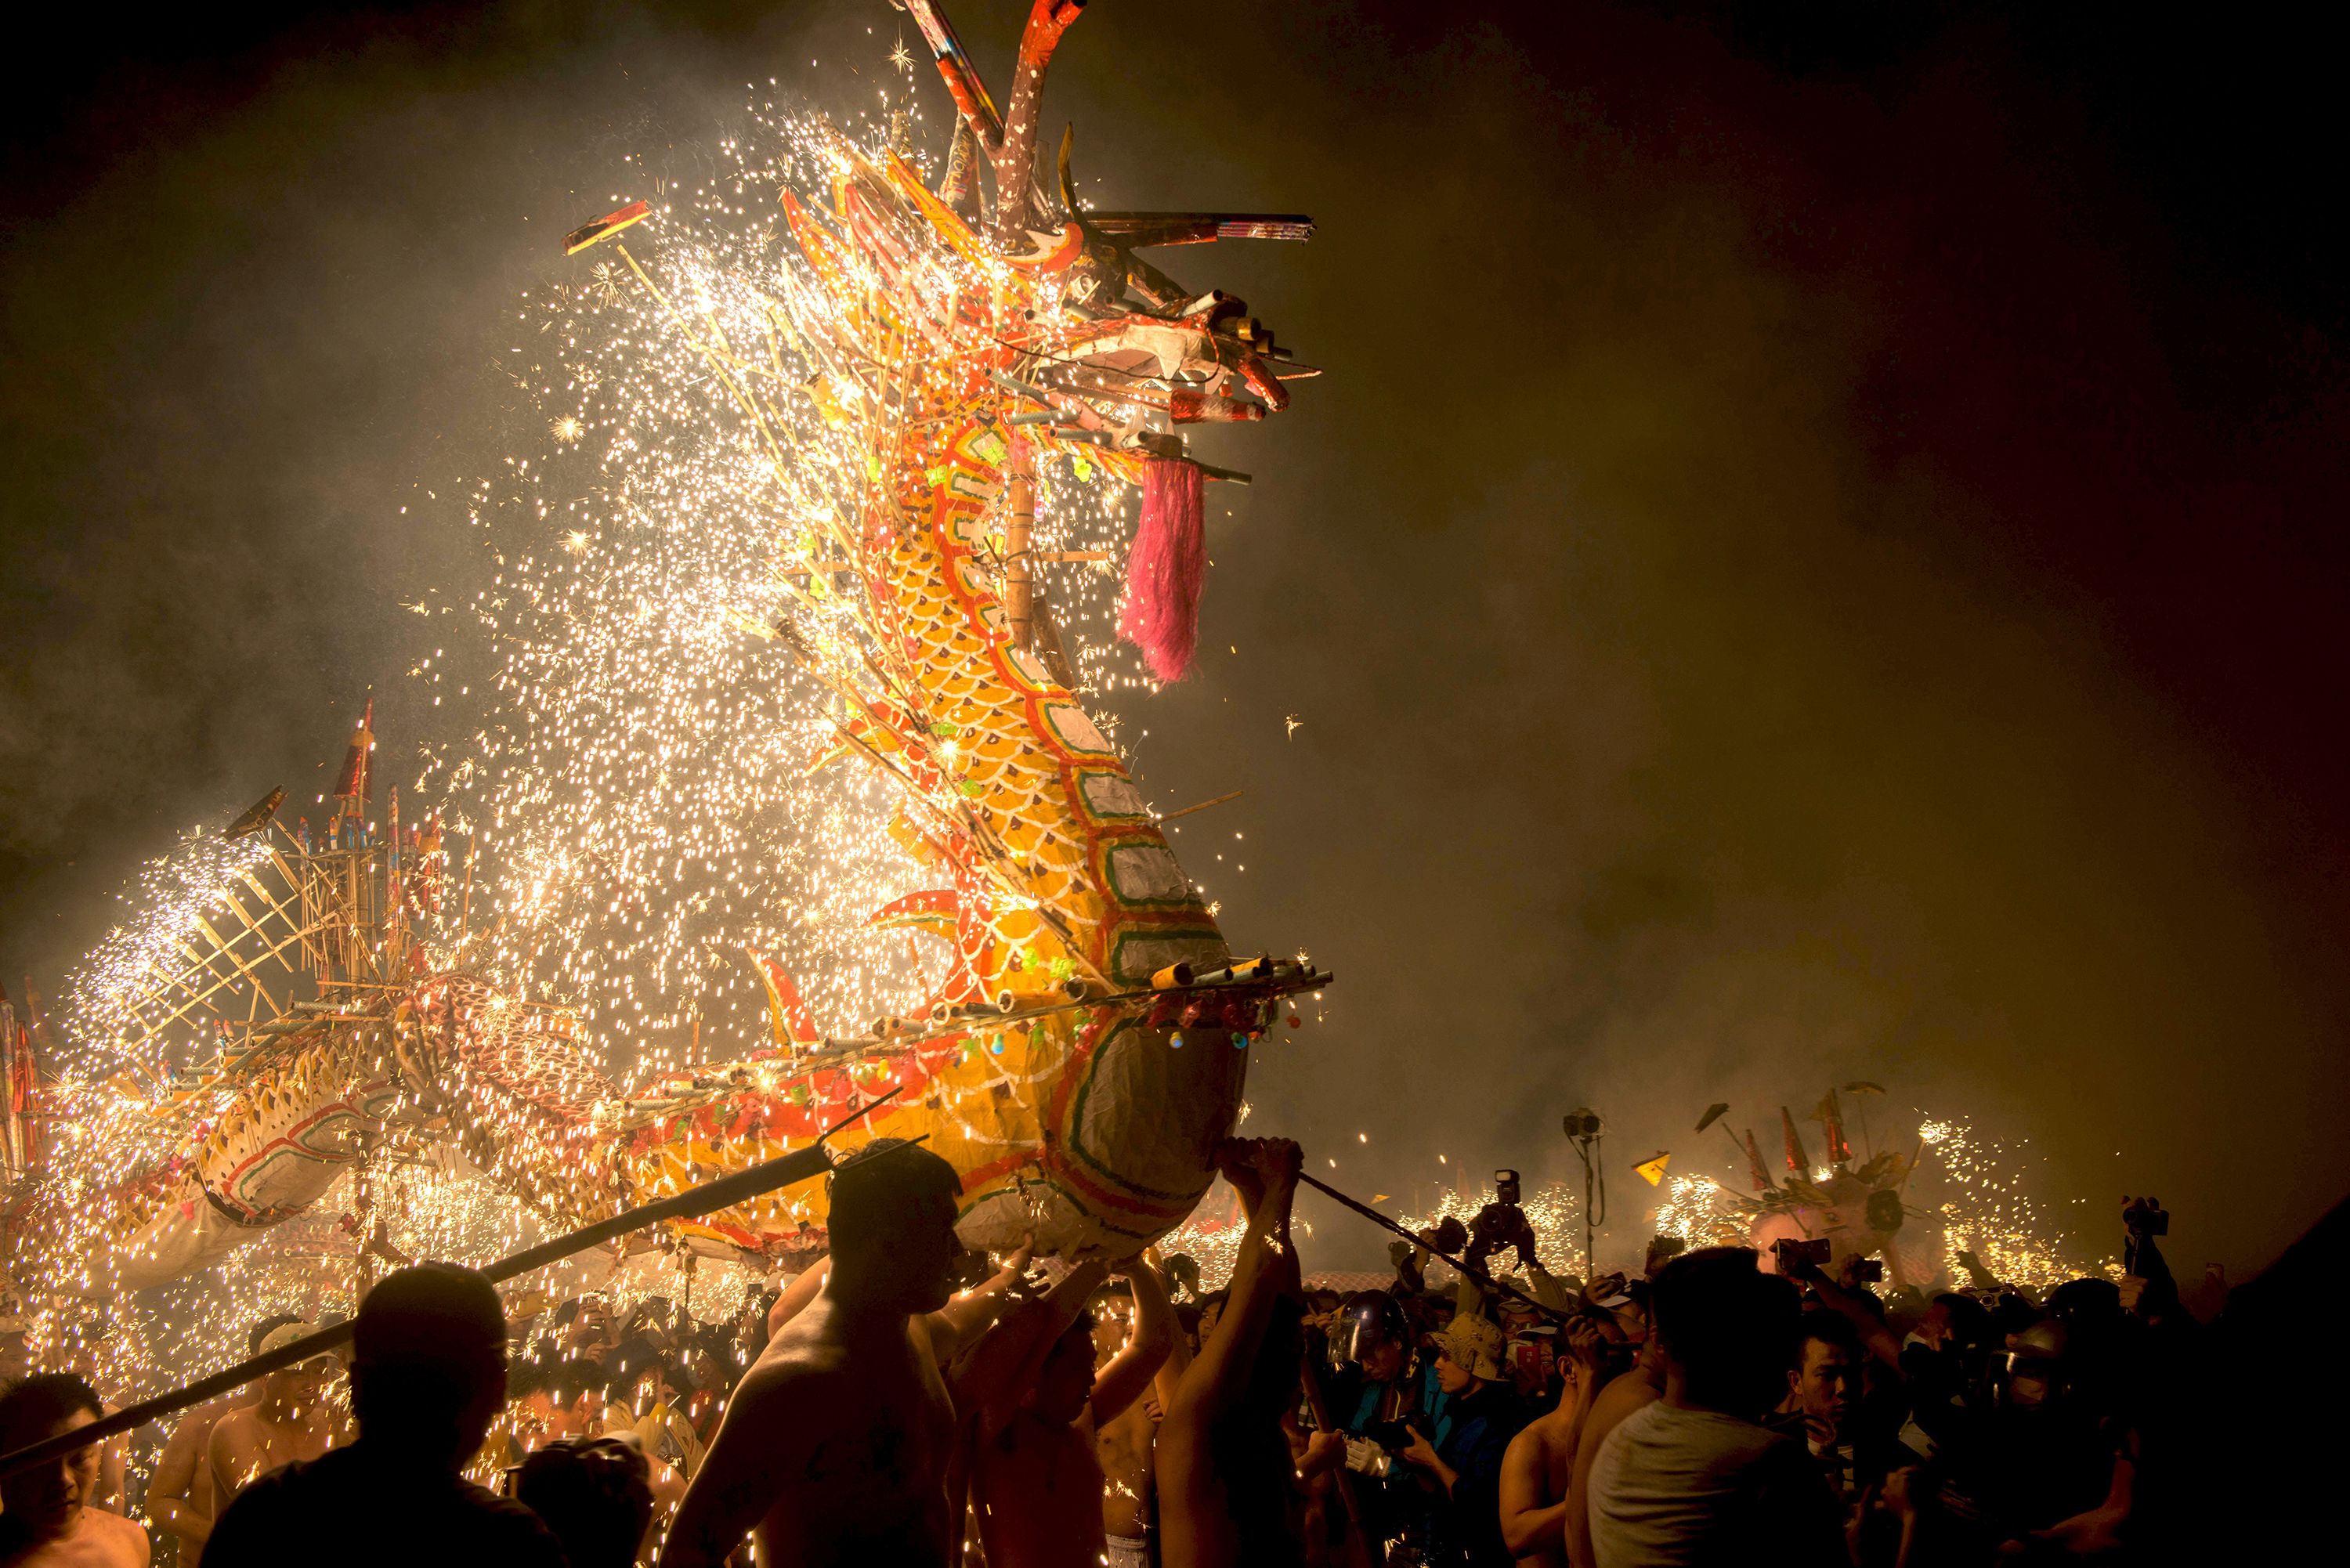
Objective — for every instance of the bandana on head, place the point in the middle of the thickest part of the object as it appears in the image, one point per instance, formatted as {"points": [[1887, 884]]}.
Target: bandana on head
{"points": [[285, 1333]]}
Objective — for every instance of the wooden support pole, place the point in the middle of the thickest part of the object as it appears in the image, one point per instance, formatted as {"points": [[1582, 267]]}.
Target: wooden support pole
{"points": [[1020, 520], [465, 906]]}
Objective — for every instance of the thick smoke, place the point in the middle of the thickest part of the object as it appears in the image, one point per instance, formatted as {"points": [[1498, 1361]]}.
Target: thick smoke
{"points": [[1780, 585]]}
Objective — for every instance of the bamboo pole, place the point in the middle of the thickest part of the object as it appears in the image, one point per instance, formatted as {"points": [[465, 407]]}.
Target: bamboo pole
{"points": [[1171, 815], [1476, 1272], [1020, 519], [465, 907], [723, 1193], [202, 999]]}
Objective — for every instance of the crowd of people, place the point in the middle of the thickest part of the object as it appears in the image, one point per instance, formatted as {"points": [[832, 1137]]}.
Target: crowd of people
{"points": [[904, 1403]]}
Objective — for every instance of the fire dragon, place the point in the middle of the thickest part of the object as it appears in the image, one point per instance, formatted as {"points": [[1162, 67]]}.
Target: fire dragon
{"points": [[1089, 1042]]}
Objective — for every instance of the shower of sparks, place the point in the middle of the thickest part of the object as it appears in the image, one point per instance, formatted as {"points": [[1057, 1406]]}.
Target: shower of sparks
{"points": [[1555, 1213], [107, 995], [1692, 1209], [659, 778], [1210, 1237], [1970, 1193], [1986, 1208]]}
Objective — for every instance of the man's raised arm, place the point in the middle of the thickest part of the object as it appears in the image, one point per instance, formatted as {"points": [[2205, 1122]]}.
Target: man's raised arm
{"points": [[1264, 1172], [956, 1327], [1129, 1372]]}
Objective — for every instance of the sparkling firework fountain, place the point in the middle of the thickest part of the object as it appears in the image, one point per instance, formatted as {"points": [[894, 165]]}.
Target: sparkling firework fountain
{"points": [[1918, 1209]]}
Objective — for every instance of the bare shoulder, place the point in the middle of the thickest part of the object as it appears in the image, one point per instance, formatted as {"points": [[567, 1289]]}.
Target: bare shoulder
{"points": [[1531, 1444], [1622, 1397], [788, 1381], [125, 1540]]}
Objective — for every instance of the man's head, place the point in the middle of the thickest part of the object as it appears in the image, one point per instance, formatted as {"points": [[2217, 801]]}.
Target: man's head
{"points": [[1956, 1322], [296, 1390], [2085, 1302], [44, 1501], [1371, 1332], [595, 1494], [1635, 1310], [589, 1329], [650, 1382], [1468, 1351], [892, 1226], [1826, 1377], [1724, 1329], [1211, 1308], [579, 1388], [528, 1383], [2037, 1366], [429, 1362], [1065, 1381], [1113, 1319], [265, 1327]]}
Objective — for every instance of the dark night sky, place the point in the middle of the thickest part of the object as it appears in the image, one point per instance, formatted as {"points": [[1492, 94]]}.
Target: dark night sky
{"points": [[1817, 556]]}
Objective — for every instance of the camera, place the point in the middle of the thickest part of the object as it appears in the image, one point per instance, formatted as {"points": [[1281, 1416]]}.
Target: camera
{"points": [[1868, 1270], [2146, 1217], [1790, 1252]]}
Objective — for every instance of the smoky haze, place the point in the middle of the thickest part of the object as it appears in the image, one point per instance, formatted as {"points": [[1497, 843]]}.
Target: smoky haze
{"points": [[1816, 556]]}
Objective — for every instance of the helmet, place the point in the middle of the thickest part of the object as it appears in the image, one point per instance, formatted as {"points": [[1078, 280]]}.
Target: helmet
{"points": [[1472, 1343], [2036, 1364], [2044, 1341], [1368, 1319]]}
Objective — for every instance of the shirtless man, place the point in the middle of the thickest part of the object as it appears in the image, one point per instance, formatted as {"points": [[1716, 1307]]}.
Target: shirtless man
{"points": [[1037, 1400], [1123, 1444], [1228, 1486], [180, 1493], [1644, 1385], [47, 1518], [1539, 1466], [835, 1446], [289, 1423]]}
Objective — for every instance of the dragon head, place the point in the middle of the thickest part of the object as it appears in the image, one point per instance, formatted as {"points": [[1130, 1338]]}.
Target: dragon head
{"points": [[1120, 339]]}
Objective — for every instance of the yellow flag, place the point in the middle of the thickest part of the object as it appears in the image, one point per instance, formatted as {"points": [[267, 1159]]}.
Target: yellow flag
{"points": [[1652, 1169]]}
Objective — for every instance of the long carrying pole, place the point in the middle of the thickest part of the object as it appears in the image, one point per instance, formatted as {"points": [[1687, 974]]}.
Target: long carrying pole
{"points": [[1583, 1147], [1473, 1271], [723, 1193]]}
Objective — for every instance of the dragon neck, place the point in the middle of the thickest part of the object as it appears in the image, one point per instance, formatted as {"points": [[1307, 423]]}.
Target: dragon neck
{"points": [[1061, 867]]}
